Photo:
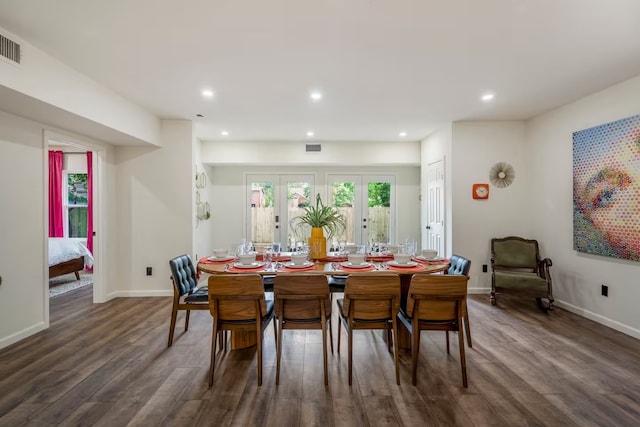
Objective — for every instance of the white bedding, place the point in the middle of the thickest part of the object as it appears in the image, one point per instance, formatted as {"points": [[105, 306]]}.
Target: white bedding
{"points": [[61, 249]]}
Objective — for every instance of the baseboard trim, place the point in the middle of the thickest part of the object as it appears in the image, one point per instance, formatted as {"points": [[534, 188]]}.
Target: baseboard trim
{"points": [[152, 293], [485, 291], [613, 324], [20, 335]]}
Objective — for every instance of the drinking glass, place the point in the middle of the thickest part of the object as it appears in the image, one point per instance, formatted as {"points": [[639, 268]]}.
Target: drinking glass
{"points": [[276, 248], [268, 256]]}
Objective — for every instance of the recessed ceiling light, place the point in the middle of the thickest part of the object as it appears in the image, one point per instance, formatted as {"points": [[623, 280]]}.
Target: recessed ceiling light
{"points": [[207, 93], [310, 133], [224, 133], [402, 134], [487, 97], [315, 95]]}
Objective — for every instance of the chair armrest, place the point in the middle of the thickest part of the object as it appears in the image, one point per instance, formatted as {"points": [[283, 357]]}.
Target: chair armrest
{"points": [[543, 268]]}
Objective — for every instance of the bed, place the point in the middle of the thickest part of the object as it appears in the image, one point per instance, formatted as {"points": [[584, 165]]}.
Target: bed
{"points": [[68, 256]]}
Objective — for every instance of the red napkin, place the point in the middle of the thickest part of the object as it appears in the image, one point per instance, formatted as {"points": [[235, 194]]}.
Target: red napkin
{"points": [[379, 258], [412, 268], [335, 258]]}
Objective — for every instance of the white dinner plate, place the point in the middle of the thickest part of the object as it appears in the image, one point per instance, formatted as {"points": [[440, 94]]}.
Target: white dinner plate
{"points": [[398, 264], [251, 265], [221, 259], [352, 265], [303, 265]]}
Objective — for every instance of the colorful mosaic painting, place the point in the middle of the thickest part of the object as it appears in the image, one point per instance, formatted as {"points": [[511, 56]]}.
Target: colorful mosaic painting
{"points": [[606, 189]]}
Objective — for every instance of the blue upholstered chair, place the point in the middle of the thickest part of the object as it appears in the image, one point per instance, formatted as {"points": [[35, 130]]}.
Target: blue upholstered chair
{"points": [[462, 265], [186, 293]]}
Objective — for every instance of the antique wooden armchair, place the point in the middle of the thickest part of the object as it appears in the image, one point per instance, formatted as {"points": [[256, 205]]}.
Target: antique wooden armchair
{"points": [[516, 264]]}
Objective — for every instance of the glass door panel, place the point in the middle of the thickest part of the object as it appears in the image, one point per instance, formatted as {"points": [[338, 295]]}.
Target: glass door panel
{"points": [[343, 197], [262, 209], [272, 201], [378, 211], [298, 197]]}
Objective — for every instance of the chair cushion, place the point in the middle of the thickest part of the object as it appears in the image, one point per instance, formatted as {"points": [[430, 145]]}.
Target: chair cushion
{"points": [[337, 283], [200, 295], [459, 265], [184, 274], [267, 282]]}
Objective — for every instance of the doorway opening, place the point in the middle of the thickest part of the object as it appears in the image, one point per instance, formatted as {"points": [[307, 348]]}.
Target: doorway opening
{"points": [[74, 195]]}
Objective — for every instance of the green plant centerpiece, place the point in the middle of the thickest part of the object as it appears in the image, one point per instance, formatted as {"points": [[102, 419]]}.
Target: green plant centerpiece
{"points": [[319, 218]]}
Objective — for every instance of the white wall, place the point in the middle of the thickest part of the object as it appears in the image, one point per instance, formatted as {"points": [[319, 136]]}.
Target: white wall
{"points": [[353, 153], [577, 276], [154, 210], [44, 78], [476, 147], [203, 244], [228, 216], [22, 241]]}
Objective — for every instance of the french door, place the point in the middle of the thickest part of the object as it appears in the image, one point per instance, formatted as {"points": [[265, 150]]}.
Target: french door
{"points": [[368, 203], [272, 201]]}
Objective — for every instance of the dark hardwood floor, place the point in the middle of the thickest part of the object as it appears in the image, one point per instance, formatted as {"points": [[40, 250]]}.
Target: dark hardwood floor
{"points": [[109, 365]]}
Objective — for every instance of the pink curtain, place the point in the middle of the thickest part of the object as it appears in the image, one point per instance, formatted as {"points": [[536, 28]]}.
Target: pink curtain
{"points": [[90, 201], [56, 228]]}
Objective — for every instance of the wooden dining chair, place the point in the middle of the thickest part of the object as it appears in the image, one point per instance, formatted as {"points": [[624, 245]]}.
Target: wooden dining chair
{"points": [[435, 302], [302, 302], [237, 303], [461, 265], [186, 293], [371, 302]]}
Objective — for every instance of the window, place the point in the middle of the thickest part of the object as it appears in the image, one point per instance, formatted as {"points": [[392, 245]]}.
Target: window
{"points": [[76, 199]]}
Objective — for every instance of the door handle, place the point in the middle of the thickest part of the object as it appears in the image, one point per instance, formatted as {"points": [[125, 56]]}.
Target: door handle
{"points": [[428, 227]]}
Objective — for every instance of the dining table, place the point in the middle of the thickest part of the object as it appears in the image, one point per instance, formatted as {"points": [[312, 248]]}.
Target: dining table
{"points": [[333, 264]]}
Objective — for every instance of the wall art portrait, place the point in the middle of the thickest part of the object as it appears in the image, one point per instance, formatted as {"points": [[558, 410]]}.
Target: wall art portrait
{"points": [[606, 189]]}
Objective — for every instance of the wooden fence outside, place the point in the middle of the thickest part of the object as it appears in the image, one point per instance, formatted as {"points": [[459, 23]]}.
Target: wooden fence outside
{"points": [[263, 220]]}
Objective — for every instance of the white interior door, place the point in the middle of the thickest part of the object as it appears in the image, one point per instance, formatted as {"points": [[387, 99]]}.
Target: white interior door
{"points": [[435, 208], [272, 201]]}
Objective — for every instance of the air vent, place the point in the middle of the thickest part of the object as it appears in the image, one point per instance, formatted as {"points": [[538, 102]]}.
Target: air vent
{"points": [[313, 148], [9, 49]]}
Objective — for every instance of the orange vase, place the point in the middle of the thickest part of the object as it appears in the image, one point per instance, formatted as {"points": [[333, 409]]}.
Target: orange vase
{"points": [[317, 244]]}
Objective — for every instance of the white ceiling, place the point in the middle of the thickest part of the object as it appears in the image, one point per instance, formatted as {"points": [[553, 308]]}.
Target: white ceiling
{"points": [[382, 65]]}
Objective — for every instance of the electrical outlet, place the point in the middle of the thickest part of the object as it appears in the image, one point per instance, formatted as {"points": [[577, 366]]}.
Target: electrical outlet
{"points": [[149, 271], [605, 291], [484, 268]]}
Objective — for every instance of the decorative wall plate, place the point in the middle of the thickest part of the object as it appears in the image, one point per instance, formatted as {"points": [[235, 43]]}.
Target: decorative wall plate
{"points": [[502, 174]]}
